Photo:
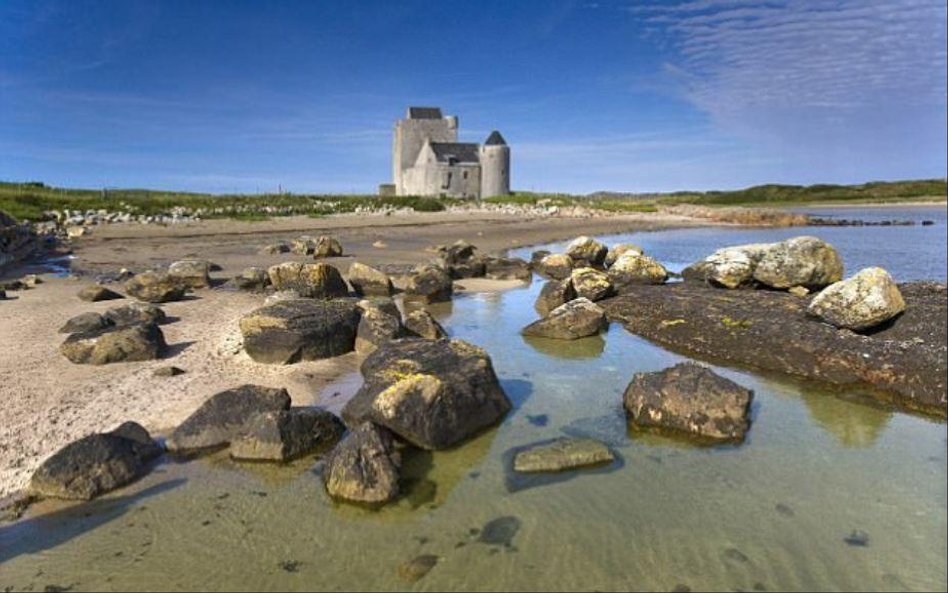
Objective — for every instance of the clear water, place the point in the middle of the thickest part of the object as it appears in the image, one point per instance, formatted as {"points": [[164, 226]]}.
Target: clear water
{"points": [[771, 514]]}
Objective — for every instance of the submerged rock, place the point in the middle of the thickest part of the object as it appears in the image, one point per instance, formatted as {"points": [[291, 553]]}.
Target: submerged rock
{"points": [[364, 467], [423, 325], [554, 294], [586, 251], [115, 344], [415, 569], [192, 272], [689, 398], [96, 464], [320, 281], [800, 261], [96, 293], [292, 330], [562, 454], [367, 281], [226, 417], [432, 393], [284, 435], [576, 319], [156, 287], [859, 303], [430, 284]]}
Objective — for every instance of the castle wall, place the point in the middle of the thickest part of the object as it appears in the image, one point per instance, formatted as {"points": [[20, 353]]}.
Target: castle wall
{"points": [[431, 178], [495, 170], [410, 136]]}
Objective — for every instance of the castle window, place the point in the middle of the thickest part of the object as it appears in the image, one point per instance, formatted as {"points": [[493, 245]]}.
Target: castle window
{"points": [[465, 175]]}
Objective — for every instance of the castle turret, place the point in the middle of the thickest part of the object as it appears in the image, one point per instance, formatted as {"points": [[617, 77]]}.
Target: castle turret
{"points": [[495, 166]]}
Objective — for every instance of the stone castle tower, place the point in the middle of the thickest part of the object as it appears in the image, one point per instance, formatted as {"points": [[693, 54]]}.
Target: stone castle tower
{"points": [[427, 159]]}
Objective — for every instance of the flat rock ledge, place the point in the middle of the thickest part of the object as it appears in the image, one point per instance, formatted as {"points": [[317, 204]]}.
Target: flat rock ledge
{"points": [[561, 455], [904, 362]]}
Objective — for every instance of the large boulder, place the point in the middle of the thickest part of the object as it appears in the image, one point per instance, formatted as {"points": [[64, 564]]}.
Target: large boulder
{"points": [[562, 454], [367, 281], [586, 251], [143, 341], [692, 399], [592, 284], [731, 267], [226, 417], [85, 322], [192, 272], [862, 302], [96, 464], [327, 247], [800, 261], [635, 268], [284, 435], [156, 287], [135, 312], [432, 393], [579, 318], [96, 293], [319, 280], [430, 284], [375, 328], [507, 268], [292, 330], [553, 294], [364, 467], [556, 265], [421, 323], [303, 245], [619, 250]]}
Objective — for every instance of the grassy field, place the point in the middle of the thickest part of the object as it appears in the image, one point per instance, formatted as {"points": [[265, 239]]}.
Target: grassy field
{"points": [[29, 201]]}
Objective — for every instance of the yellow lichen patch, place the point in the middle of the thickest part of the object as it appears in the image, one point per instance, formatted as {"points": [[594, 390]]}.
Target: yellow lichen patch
{"points": [[736, 323], [671, 322], [399, 369], [254, 323], [426, 387]]}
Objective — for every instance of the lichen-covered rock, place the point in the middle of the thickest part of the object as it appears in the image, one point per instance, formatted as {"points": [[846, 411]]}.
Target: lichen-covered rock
{"points": [[115, 344], [579, 318], [85, 322], [385, 304], [156, 287], [136, 312], [692, 399], [192, 272], [252, 279], [586, 251], [507, 268], [367, 281], [731, 267], [292, 330], [327, 247], [619, 250], [553, 294], [275, 248], [800, 261], [562, 454], [319, 280], [304, 245], [432, 393], [96, 464], [420, 323], [364, 467], [592, 284], [862, 302], [284, 435], [226, 417], [635, 268], [430, 284], [556, 265], [375, 328], [96, 293]]}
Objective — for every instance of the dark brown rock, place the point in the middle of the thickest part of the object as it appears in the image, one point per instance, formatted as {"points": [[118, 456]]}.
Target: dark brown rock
{"points": [[292, 330], [364, 467]]}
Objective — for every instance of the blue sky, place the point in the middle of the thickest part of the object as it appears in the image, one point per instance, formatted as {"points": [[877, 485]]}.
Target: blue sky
{"points": [[590, 94]]}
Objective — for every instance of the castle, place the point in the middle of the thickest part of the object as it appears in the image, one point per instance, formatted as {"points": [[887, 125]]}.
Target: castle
{"points": [[428, 160]]}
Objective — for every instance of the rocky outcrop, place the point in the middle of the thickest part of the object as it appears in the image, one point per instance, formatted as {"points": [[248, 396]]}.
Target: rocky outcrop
{"points": [[156, 287], [136, 312], [557, 266], [96, 464], [319, 281], [284, 435], [862, 302], [579, 318], [432, 393], [375, 328], [225, 418], [561, 455], [115, 344], [292, 330], [364, 467], [635, 268], [85, 322], [553, 294], [800, 261], [367, 281], [586, 251], [592, 284], [621, 249], [692, 399], [195, 273], [420, 323], [252, 279], [507, 268], [96, 293], [430, 284]]}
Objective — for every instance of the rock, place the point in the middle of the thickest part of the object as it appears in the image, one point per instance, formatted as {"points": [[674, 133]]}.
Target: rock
{"points": [[415, 569], [861, 302], [74, 232], [800, 261], [252, 279], [85, 322], [432, 393], [537, 256], [300, 329], [592, 284], [375, 328], [458, 252], [507, 268], [634, 268], [364, 467], [155, 287], [553, 294], [31, 280], [689, 398], [168, 371], [284, 435], [557, 266], [586, 251], [579, 318], [731, 267], [115, 344], [321, 281], [367, 281], [430, 284], [562, 454], [282, 295], [96, 293], [192, 272], [799, 291], [422, 324], [474, 267], [96, 464], [385, 304], [276, 248], [327, 247], [304, 245], [136, 312], [619, 250], [226, 417]]}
